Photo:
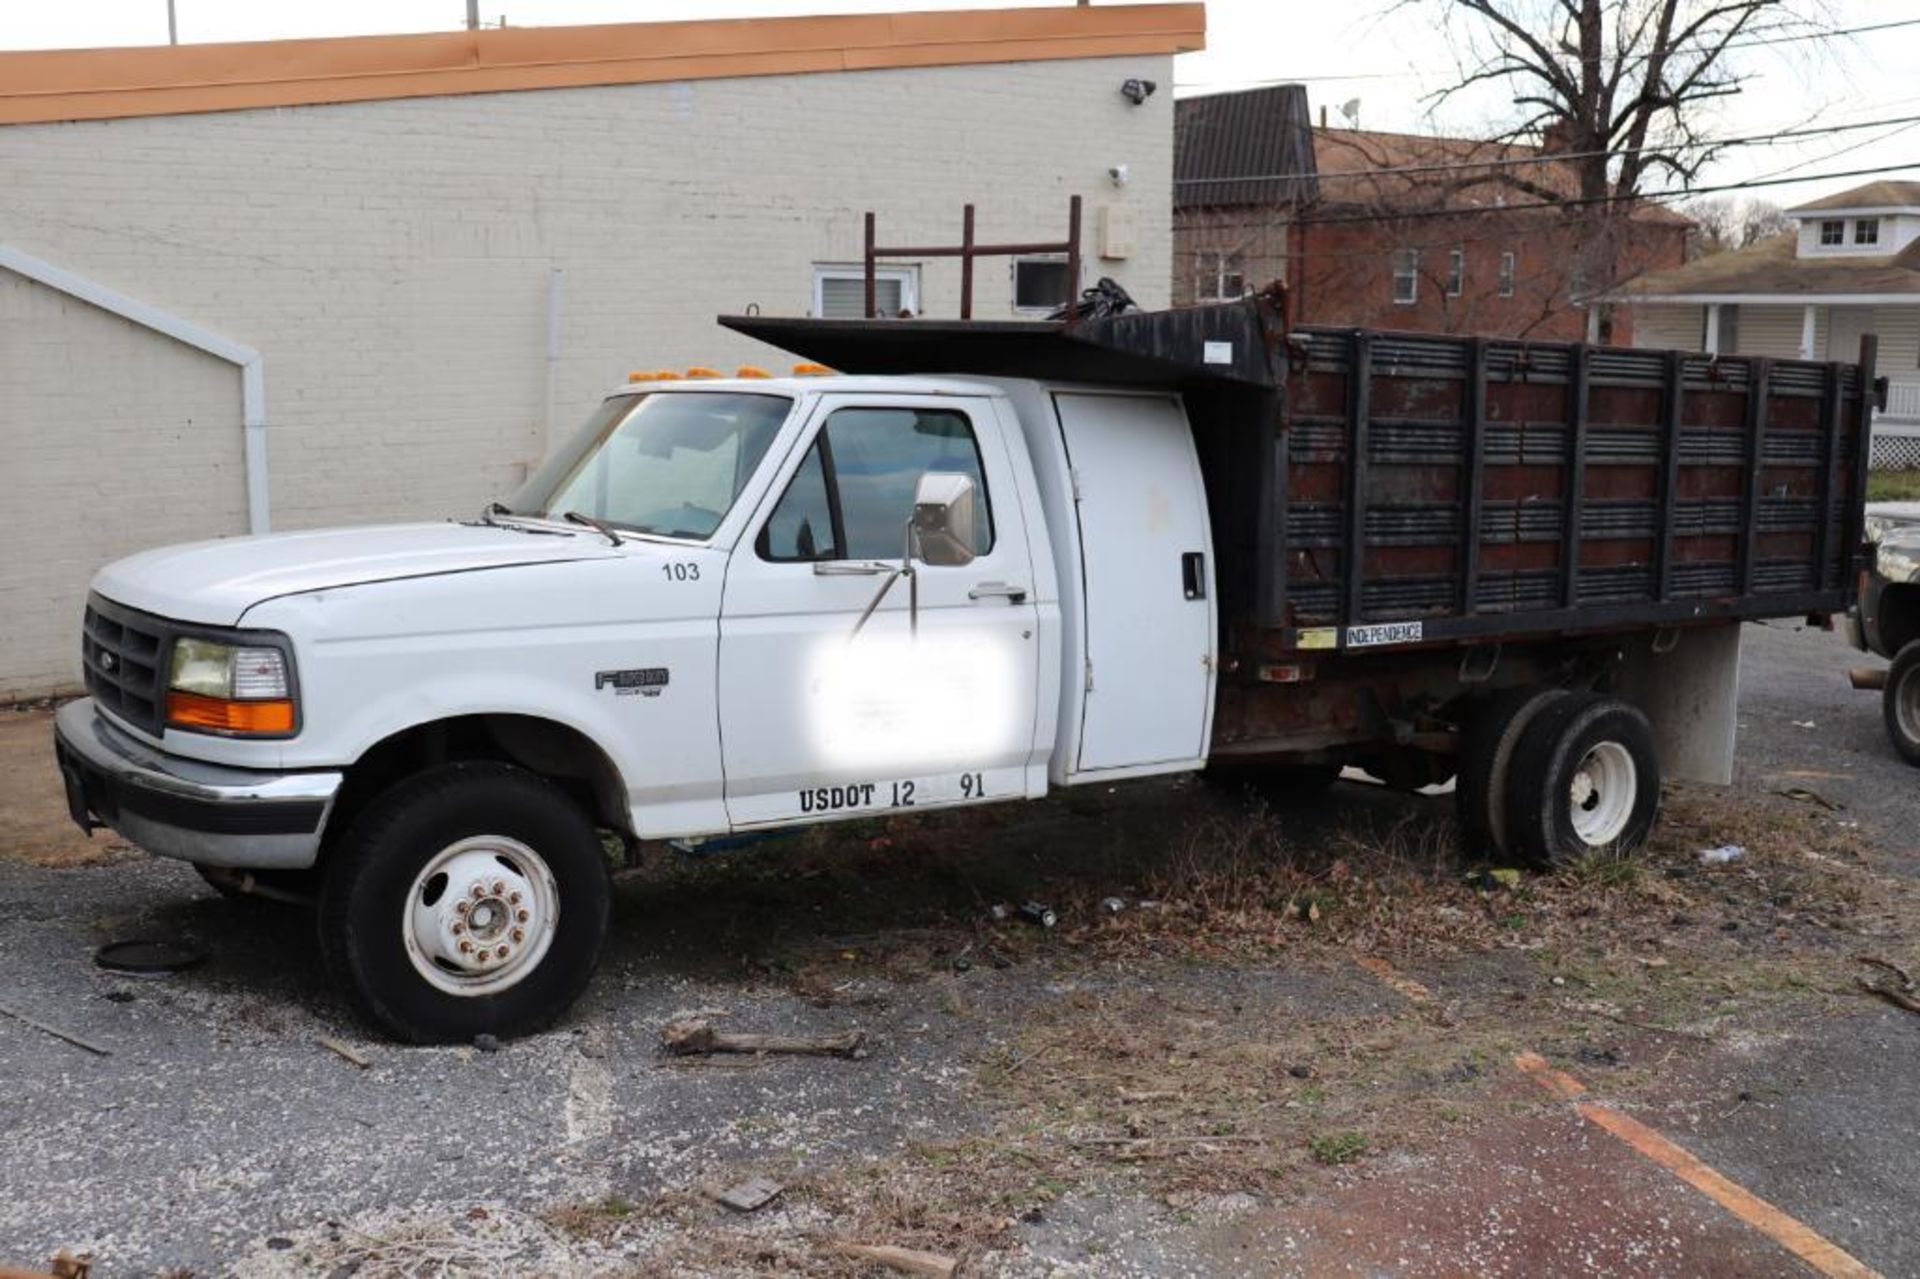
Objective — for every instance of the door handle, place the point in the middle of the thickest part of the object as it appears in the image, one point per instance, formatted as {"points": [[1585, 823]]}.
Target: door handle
{"points": [[999, 590], [852, 568]]}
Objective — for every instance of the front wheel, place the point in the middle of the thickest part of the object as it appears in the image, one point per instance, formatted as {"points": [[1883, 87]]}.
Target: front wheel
{"points": [[470, 899], [1900, 702], [1584, 780]]}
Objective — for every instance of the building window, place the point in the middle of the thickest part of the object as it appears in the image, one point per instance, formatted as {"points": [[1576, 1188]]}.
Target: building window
{"points": [[1406, 276], [1866, 231], [1506, 275], [1041, 284], [840, 292], [1222, 278], [1833, 231], [1456, 272]]}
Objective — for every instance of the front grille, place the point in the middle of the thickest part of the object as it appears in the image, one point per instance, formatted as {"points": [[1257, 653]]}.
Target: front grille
{"points": [[122, 652]]}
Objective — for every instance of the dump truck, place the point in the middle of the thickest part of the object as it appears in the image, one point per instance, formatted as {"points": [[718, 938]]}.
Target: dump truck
{"points": [[979, 562]]}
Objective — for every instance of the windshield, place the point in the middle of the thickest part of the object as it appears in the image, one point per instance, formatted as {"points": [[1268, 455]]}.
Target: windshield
{"points": [[668, 463]]}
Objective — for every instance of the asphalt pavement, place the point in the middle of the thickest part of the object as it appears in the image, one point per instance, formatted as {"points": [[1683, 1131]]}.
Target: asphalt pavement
{"points": [[219, 1126]]}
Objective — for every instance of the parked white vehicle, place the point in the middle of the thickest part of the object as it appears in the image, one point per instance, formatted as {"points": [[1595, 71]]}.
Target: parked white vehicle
{"points": [[742, 604]]}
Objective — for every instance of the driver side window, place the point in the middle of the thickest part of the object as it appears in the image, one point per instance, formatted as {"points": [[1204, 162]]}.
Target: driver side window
{"points": [[853, 493]]}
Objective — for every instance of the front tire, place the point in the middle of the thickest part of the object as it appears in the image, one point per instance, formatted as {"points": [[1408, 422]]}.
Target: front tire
{"points": [[1584, 780], [1900, 702], [470, 899]]}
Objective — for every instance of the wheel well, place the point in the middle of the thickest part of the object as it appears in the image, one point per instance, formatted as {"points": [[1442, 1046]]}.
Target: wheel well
{"points": [[562, 755], [1899, 615]]}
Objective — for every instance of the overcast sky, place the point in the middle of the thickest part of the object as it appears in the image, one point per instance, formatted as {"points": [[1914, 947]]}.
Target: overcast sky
{"points": [[1388, 56]]}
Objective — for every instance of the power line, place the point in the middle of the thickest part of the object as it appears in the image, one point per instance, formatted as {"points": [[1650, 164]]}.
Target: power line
{"points": [[1554, 158], [1582, 201]]}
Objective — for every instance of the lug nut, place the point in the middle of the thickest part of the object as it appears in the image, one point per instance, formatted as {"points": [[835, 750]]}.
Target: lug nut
{"points": [[461, 908], [514, 898], [519, 935], [522, 915], [458, 929], [502, 952], [466, 947], [499, 887], [479, 891]]}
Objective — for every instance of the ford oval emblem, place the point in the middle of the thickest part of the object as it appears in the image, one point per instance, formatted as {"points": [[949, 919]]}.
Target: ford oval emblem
{"points": [[109, 663]]}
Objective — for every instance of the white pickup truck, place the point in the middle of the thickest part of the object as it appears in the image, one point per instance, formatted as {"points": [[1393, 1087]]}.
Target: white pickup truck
{"points": [[740, 604]]}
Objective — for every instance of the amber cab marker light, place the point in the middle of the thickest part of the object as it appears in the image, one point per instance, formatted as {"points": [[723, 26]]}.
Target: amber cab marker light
{"points": [[702, 371], [194, 710], [811, 370], [751, 371]]}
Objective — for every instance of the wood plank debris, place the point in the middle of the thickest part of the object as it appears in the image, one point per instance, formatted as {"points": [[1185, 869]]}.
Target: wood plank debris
{"points": [[694, 1036], [57, 1033], [908, 1261]]}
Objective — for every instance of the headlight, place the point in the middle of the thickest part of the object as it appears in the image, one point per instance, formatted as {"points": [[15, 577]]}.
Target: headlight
{"points": [[229, 688]]}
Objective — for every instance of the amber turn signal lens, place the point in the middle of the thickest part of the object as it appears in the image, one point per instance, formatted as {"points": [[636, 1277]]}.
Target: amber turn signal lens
{"points": [[191, 710]]}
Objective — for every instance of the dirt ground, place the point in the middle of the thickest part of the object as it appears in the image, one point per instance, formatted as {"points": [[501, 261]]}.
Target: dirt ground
{"points": [[34, 825], [1263, 1038]]}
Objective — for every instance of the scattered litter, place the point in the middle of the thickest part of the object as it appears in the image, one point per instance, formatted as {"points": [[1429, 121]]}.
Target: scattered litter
{"points": [[1806, 796], [1498, 877], [962, 963], [1039, 913], [1000, 912], [344, 1051], [697, 1037], [1722, 855], [907, 1261], [487, 1043], [1301, 1071], [1113, 905], [1901, 997], [45, 1029], [1803, 723], [62, 1265], [148, 957], [750, 1195]]}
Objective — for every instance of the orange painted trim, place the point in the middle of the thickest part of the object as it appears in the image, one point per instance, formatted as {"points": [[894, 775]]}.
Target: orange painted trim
{"points": [[1796, 1237], [97, 84]]}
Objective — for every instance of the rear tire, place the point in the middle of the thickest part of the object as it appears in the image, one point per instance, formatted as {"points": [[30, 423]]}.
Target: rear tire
{"points": [[470, 899], [1900, 702], [1584, 780], [1486, 753]]}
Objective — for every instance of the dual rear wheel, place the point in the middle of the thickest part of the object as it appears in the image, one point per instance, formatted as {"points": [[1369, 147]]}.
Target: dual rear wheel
{"points": [[1552, 776]]}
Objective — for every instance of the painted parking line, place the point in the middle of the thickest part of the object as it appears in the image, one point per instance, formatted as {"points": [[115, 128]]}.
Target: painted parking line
{"points": [[1395, 979], [1796, 1237]]}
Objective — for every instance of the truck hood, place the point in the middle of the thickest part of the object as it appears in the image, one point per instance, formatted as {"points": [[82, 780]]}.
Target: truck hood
{"points": [[217, 582]]}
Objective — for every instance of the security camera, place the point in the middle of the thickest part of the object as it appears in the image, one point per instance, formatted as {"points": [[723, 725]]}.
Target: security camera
{"points": [[1137, 91], [1119, 174]]}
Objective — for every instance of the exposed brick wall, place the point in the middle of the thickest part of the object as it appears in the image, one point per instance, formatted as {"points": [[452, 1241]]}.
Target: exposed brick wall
{"points": [[391, 260]]}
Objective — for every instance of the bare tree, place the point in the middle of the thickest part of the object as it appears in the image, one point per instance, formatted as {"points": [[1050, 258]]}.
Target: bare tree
{"points": [[1723, 223], [1617, 90]]}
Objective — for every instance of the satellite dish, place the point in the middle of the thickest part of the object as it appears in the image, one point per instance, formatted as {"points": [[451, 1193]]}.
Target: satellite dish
{"points": [[1351, 109]]}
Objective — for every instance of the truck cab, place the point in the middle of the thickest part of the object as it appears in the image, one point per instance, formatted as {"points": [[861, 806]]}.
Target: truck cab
{"points": [[720, 607]]}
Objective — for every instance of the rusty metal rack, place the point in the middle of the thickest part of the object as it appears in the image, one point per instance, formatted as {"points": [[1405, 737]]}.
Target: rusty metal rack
{"points": [[967, 250]]}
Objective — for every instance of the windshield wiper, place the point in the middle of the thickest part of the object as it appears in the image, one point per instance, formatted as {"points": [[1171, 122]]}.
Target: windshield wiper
{"points": [[597, 525], [492, 509]]}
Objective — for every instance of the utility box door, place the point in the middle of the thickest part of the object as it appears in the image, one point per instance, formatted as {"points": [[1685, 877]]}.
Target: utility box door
{"points": [[1147, 581]]}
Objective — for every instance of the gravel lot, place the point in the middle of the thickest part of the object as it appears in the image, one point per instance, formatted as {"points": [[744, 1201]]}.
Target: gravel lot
{"points": [[219, 1135]]}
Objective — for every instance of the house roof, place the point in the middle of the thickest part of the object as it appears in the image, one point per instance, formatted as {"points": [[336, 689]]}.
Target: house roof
{"points": [[1243, 148], [1874, 195], [1770, 268], [96, 84], [1404, 171]]}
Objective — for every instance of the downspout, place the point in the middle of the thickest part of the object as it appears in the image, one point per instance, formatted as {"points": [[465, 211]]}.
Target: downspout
{"points": [[252, 365]]}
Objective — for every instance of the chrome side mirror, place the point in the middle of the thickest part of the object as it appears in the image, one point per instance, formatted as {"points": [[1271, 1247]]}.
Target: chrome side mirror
{"points": [[944, 509]]}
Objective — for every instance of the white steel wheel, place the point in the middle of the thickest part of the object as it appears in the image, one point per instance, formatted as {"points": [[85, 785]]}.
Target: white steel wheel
{"points": [[1602, 794], [1901, 702], [481, 915], [1584, 781]]}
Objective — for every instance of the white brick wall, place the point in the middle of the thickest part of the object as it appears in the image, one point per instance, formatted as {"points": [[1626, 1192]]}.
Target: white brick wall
{"points": [[97, 466], [390, 260]]}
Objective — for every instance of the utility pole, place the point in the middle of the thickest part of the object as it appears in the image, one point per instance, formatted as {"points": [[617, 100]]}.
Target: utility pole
{"points": [[173, 30], [473, 14]]}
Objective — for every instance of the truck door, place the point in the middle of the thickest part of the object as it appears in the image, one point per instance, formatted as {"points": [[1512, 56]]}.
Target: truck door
{"points": [[1146, 555], [818, 722]]}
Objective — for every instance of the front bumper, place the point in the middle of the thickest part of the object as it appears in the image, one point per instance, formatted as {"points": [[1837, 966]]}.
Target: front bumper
{"points": [[175, 807]]}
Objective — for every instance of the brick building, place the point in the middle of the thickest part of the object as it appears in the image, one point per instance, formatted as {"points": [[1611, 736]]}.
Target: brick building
{"points": [[325, 281], [1399, 231]]}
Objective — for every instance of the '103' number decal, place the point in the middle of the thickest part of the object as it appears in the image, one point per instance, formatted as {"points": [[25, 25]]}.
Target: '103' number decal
{"points": [[681, 571]]}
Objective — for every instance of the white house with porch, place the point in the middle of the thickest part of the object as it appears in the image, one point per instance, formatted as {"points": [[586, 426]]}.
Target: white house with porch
{"points": [[1851, 268]]}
